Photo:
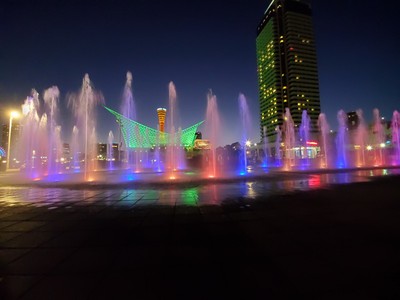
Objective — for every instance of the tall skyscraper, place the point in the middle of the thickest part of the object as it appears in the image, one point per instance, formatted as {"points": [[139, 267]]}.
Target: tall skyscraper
{"points": [[287, 65]]}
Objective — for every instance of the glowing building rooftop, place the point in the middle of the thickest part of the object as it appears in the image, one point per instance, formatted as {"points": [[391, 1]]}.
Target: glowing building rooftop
{"points": [[137, 135]]}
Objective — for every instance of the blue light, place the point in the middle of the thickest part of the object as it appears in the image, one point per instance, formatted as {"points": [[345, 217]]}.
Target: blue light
{"points": [[2, 152], [128, 177], [55, 177]]}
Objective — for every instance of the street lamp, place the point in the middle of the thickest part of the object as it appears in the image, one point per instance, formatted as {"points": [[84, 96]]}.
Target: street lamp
{"points": [[13, 115]]}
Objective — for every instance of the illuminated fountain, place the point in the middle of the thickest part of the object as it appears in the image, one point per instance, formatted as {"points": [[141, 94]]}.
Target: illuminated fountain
{"points": [[341, 140], [278, 157], [155, 155], [110, 156], [83, 106], [173, 152], [75, 159], [265, 147], [51, 99], [289, 140], [128, 110], [378, 139], [361, 139], [304, 133], [324, 138], [30, 138], [246, 125], [212, 127], [396, 137]]}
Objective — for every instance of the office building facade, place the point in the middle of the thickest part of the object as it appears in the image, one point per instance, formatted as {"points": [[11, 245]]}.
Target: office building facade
{"points": [[287, 65]]}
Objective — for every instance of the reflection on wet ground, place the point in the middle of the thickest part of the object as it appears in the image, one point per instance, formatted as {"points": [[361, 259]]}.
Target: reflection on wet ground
{"points": [[192, 195]]}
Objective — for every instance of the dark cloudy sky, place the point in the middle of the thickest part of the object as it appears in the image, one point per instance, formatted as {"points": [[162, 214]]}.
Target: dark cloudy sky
{"points": [[196, 44]]}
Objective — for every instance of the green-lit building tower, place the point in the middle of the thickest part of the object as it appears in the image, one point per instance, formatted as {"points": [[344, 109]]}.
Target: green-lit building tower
{"points": [[287, 65]]}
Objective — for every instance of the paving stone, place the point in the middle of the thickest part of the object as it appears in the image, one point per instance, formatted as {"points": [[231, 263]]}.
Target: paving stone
{"points": [[7, 236], [24, 226], [29, 240], [9, 255], [64, 287], [86, 261], [5, 224], [13, 287], [38, 261]]}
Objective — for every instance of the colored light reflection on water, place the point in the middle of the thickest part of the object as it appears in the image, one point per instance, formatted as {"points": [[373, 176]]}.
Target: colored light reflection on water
{"points": [[209, 193], [129, 177], [190, 196], [55, 177]]}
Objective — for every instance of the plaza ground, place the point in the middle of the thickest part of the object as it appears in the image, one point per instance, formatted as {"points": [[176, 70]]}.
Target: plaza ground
{"points": [[338, 242]]}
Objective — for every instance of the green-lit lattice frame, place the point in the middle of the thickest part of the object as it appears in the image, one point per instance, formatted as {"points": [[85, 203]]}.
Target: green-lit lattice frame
{"points": [[137, 135]]}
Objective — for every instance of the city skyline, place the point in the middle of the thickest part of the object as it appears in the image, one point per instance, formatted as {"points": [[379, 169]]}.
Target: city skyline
{"points": [[202, 45]]}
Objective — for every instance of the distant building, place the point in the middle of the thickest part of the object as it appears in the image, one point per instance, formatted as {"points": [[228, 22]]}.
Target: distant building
{"points": [[102, 153], [15, 136], [200, 144], [287, 65], [352, 120], [66, 150]]}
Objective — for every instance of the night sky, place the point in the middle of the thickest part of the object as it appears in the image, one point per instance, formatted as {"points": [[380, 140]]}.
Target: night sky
{"points": [[196, 44]]}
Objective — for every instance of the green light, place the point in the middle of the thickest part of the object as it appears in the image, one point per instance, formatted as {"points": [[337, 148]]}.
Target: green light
{"points": [[137, 135], [190, 196]]}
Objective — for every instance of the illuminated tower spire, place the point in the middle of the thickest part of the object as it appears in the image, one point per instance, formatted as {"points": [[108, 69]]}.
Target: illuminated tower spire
{"points": [[161, 112]]}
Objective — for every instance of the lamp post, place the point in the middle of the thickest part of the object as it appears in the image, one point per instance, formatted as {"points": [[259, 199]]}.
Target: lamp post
{"points": [[13, 115]]}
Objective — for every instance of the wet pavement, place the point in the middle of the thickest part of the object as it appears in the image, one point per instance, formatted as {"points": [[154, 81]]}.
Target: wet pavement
{"points": [[310, 236]]}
